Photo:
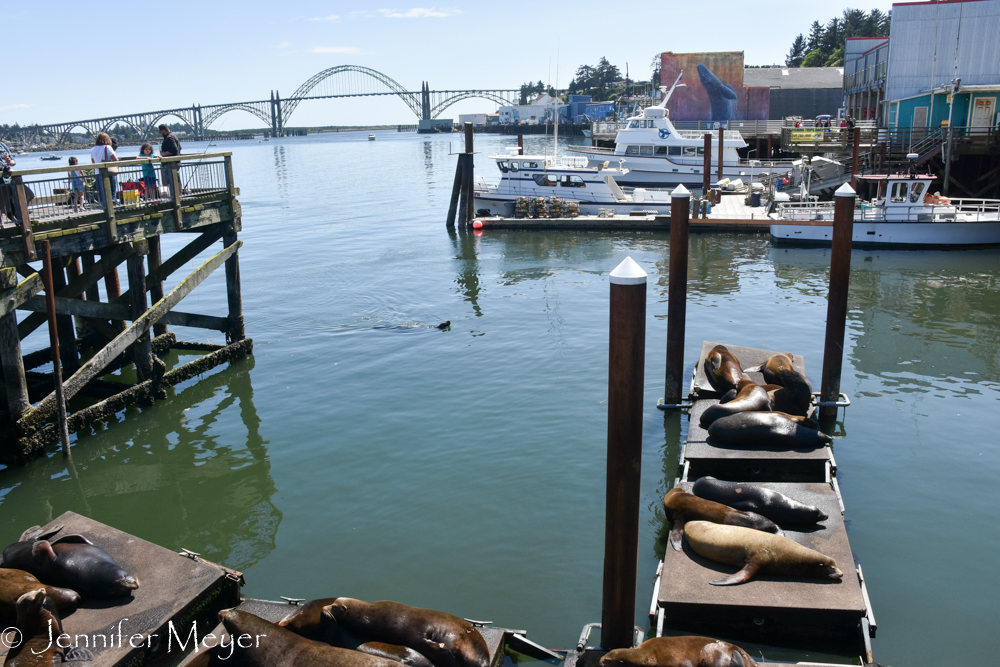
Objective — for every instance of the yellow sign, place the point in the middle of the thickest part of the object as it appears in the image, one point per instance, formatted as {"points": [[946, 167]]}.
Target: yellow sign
{"points": [[807, 136]]}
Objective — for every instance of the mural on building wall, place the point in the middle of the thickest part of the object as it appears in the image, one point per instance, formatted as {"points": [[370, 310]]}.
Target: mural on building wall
{"points": [[714, 89]]}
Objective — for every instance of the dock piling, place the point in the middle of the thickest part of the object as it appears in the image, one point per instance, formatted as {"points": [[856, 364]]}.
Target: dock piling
{"points": [[10, 350], [50, 310], [770, 138], [836, 313], [469, 198], [706, 181], [626, 359], [722, 134], [520, 144], [677, 295], [143, 350], [854, 158]]}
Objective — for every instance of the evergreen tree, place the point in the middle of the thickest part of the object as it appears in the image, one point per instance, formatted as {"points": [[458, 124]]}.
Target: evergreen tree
{"points": [[797, 53], [815, 36]]}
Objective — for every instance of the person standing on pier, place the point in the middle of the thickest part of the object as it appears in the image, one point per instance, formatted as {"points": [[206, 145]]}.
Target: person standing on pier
{"points": [[76, 186], [102, 152], [149, 190], [169, 148]]}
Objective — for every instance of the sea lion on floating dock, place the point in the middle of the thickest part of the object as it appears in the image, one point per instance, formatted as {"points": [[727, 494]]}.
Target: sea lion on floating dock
{"points": [[753, 498], [792, 391], [15, 583], [38, 628], [722, 369], [679, 652], [681, 507], [445, 640], [772, 367], [71, 561], [265, 644], [766, 430], [310, 622], [749, 398], [755, 551]]}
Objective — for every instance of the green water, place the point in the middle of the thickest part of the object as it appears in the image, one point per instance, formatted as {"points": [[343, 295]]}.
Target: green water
{"points": [[464, 469]]}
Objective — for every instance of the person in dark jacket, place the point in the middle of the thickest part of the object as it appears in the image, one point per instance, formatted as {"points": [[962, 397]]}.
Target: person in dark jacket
{"points": [[169, 148]]}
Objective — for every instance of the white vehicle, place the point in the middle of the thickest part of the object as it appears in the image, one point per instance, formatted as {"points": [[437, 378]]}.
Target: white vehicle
{"points": [[903, 213]]}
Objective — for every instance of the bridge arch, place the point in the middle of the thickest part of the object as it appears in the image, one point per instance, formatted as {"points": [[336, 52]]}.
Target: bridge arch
{"points": [[64, 135], [127, 121], [254, 108], [438, 108], [390, 85], [144, 133]]}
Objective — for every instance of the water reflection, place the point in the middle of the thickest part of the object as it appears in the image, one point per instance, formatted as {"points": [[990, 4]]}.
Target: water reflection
{"points": [[189, 475], [468, 279]]}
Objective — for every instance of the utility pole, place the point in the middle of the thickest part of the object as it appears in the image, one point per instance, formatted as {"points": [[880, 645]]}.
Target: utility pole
{"points": [[955, 85]]}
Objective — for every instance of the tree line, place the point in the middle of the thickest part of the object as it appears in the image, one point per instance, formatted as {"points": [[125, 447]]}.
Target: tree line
{"points": [[602, 82], [824, 47]]}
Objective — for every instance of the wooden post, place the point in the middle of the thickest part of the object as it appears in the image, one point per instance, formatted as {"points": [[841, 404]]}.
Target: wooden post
{"points": [[836, 312], [64, 324], [854, 159], [175, 188], [109, 204], [10, 354], [770, 138], [677, 295], [520, 144], [142, 352], [234, 293], [50, 309], [114, 289], [626, 359], [721, 146], [23, 219], [706, 181], [153, 260], [470, 199], [456, 190], [463, 191]]}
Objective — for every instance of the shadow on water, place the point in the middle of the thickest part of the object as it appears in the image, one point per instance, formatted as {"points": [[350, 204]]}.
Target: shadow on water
{"points": [[186, 462]]}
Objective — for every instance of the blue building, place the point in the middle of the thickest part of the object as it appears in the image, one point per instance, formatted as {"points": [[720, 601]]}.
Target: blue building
{"points": [[581, 110]]}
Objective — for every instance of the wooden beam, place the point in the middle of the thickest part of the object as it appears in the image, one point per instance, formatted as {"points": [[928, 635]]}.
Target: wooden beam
{"points": [[179, 319], [11, 299], [155, 287], [37, 416], [67, 306], [143, 349]]}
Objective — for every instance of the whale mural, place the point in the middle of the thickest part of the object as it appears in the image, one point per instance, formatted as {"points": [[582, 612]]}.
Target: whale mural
{"points": [[713, 89]]}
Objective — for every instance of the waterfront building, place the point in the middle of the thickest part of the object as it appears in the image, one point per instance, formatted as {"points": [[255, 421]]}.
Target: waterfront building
{"points": [[798, 91], [865, 63]]}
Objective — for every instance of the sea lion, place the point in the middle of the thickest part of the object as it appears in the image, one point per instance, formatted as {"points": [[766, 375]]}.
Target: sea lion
{"points": [[792, 391], [749, 398], [445, 640], [679, 652], [15, 583], [264, 644], [772, 367], [752, 498], [71, 561], [722, 369], [769, 430], [681, 507], [310, 622], [38, 627], [755, 551]]}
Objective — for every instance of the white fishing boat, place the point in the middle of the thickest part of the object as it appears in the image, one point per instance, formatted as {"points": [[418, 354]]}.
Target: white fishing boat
{"points": [[903, 213], [371, 136], [568, 178]]}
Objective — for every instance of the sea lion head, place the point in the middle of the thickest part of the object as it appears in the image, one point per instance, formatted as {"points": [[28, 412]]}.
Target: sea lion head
{"points": [[828, 570], [31, 603], [621, 657], [308, 620]]}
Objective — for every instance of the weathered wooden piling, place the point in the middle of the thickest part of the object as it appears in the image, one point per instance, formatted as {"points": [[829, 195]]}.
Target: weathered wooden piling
{"points": [[520, 144], [722, 134], [50, 309], [142, 351], [470, 200], [856, 139], [706, 181], [677, 295], [770, 153], [462, 197], [10, 346], [836, 312], [626, 359]]}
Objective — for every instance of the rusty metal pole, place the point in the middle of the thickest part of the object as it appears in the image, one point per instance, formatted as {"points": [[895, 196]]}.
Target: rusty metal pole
{"points": [[721, 144], [854, 159], [706, 181], [836, 311], [626, 362], [677, 295], [520, 144], [50, 310]]}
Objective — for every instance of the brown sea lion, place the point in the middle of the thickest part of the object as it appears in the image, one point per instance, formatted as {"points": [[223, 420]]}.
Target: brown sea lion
{"points": [[259, 643], [445, 640], [679, 652], [38, 628], [792, 391], [15, 583], [755, 551], [749, 398], [681, 507], [754, 498], [71, 561], [309, 621], [766, 430], [722, 369], [772, 367]]}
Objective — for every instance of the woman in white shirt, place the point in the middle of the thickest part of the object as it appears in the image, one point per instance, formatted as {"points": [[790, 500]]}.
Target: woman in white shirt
{"points": [[102, 152]]}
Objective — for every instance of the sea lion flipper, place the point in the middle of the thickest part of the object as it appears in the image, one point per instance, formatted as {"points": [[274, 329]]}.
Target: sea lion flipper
{"points": [[36, 533], [72, 539], [42, 550], [716, 360], [754, 369], [676, 535], [741, 577]]}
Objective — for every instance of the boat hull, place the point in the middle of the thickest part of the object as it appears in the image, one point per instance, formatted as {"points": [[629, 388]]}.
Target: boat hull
{"points": [[896, 234], [502, 205]]}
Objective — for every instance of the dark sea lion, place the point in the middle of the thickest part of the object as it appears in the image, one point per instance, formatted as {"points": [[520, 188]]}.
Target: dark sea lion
{"points": [[755, 551], [309, 621], [445, 640], [770, 430], [681, 507], [752, 498], [749, 398], [38, 628], [71, 561], [268, 645], [722, 369], [679, 652], [15, 583]]}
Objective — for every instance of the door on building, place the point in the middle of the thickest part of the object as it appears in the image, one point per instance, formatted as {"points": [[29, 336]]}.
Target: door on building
{"points": [[982, 112], [919, 123]]}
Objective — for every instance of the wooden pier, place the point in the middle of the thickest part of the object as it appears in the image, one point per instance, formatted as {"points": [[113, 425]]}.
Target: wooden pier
{"points": [[82, 244]]}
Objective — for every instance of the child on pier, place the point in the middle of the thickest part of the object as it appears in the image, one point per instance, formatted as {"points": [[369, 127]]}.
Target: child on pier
{"points": [[148, 172], [76, 186]]}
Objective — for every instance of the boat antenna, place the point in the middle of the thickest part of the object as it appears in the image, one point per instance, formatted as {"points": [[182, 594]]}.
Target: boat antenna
{"points": [[677, 84]]}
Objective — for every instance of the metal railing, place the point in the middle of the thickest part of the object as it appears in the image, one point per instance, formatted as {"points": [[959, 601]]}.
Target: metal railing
{"points": [[973, 210]]}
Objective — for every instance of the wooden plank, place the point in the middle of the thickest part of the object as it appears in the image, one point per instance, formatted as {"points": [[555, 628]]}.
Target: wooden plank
{"points": [[36, 417], [11, 299], [69, 306], [24, 219], [109, 206], [181, 319]]}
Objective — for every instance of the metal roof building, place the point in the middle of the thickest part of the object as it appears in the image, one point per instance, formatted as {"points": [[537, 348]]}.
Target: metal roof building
{"points": [[799, 91]]}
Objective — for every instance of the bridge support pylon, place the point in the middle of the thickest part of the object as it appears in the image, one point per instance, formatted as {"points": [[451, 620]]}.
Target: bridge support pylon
{"points": [[425, 101]]}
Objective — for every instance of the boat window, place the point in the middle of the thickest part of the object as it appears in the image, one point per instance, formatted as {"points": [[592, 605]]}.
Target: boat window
{"points": [[530, 165], [690, 151], [675, 150], [701, 150], [545, 180], [915, 192], [503, 166], [634, 123], [661, 150], [645, 150], [898, 193], [573, 182], [514, 167], [632, 150]]}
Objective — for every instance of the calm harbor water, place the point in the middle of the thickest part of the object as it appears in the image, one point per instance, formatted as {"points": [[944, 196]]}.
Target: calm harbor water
{"points": [[464, 469]]}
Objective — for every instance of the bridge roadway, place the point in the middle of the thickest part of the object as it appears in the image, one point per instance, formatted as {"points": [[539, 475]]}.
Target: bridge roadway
{"points": [[335, 82]]}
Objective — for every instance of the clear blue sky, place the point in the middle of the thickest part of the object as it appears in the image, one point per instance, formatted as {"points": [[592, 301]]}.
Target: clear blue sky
{"points": [[65, 64]]}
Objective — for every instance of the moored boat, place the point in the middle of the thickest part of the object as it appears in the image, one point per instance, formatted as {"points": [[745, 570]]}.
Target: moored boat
{"points": [[371, 136]]}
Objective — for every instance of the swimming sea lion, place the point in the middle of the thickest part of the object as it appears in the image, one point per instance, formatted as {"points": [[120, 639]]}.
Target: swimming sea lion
{"points": [[679, 652], [756, 551], [752, 498], [272, 646], [38, 628], [722, 369], [681, 507], [749, 398], [771, 430], [15, 583], [309, 621], [71, 561], [445, 640]]}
